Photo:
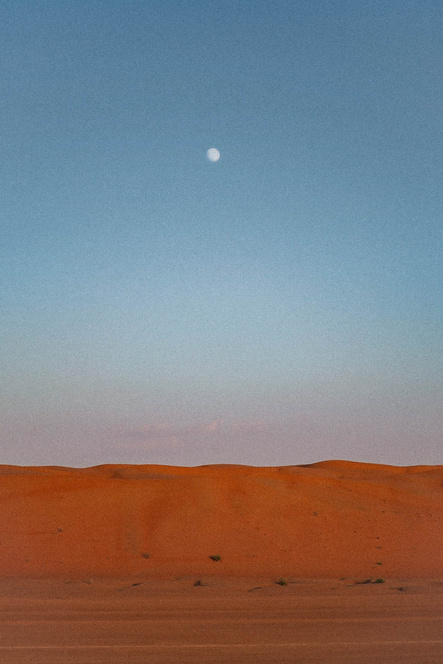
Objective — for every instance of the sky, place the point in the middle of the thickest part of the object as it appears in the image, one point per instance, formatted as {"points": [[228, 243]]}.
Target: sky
{"points": [[281, 305]]}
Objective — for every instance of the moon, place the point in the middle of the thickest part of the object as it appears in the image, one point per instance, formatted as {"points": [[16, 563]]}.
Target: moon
{"points": [[213, 154]]}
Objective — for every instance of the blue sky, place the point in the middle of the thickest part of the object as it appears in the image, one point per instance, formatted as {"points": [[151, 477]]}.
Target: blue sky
{"points": [[282, 305]]}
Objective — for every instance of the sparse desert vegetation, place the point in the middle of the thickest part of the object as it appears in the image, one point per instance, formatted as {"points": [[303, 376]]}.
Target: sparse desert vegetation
{"points": [[282, 582]]}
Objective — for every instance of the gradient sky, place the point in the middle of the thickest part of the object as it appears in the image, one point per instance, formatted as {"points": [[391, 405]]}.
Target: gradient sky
{"points": [[283, 305]]}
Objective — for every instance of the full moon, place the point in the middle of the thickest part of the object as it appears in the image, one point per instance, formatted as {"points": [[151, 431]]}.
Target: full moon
{"points": [[213, 154]]}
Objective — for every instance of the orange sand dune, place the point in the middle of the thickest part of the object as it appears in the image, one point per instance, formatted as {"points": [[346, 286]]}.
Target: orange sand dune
{"points": [[329, 519]]}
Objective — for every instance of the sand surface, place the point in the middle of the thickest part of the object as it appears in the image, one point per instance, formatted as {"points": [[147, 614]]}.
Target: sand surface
{"points": [[166, 564], [231, 620], [331, 519]]}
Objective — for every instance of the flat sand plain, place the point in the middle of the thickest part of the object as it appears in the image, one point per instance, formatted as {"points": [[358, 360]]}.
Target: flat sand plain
{"points": [[236, 620], [166, 564]]}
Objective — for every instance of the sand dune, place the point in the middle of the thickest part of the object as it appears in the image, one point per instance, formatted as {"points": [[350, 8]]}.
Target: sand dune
{"points": [[329, 519]]}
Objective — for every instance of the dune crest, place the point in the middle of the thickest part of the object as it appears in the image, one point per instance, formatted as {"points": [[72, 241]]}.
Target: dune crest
{"points": [[332, 518]]}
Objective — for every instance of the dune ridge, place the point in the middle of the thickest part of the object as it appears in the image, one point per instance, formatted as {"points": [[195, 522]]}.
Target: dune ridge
{"points": [[327, 519]]}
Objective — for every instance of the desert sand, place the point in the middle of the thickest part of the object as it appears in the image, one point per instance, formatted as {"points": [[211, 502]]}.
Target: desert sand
{"points": [[221, 620], [330, 519], [334, 562]]}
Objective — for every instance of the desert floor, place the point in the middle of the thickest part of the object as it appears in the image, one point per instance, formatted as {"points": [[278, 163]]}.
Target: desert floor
{"points": [[161, 564], [215, 619]]}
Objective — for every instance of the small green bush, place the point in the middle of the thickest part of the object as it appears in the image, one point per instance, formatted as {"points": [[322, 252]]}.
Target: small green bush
{"points": [[282, 582], [215, 558]]}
